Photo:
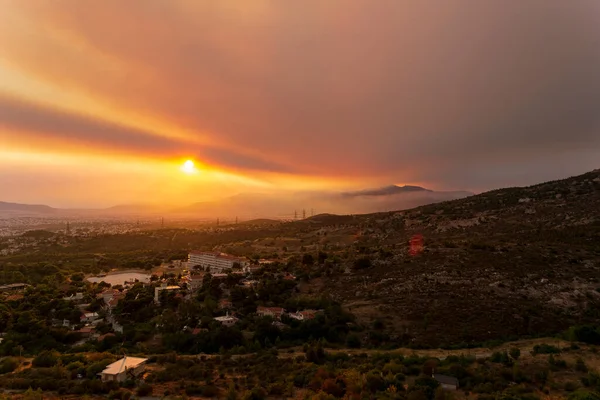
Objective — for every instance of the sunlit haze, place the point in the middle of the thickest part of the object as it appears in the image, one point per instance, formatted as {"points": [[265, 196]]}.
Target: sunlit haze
{"points": [[117, 102]]}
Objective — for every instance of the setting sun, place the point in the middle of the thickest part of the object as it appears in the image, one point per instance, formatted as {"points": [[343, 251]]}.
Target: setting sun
{"points": [[188, 167]]}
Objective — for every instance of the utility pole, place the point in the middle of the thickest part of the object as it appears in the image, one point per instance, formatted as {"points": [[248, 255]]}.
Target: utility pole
{"points": [[295, 214], [162, 222], [312, 212], [303, 214], [68, 228]]}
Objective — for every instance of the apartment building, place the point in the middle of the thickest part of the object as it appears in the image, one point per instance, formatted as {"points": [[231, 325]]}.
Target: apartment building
{"points": [[215, 262]]}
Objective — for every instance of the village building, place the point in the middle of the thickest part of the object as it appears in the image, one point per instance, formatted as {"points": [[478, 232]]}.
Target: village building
{"points": [[304, 315], [446, 382], [273, 312], [13, 287], [159, 289], [89, 317], [74, 297], [125, 368], [105, 336], [86, 331], [280, 325], [225, 304], [227, 320], [195, 281]]}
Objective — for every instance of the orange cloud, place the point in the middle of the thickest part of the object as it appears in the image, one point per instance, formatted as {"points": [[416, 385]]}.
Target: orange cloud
{"points": [[302, 93]]}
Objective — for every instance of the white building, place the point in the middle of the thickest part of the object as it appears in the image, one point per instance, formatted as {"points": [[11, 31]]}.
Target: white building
{"points": [[159, 289], [89, 317], [215, 262], [120, 371], [195, 281], [74, 297], [227, 320]]}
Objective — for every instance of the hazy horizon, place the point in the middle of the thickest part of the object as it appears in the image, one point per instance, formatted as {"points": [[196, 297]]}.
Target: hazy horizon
{"points": [[103, 103]]}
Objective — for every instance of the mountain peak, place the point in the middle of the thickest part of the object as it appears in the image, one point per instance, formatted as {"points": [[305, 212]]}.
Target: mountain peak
{"points": [[388, 190]]}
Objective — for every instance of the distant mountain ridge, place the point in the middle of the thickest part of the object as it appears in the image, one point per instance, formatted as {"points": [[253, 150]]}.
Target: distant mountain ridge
{"points": [[26, 208], [256, 206], [387, 191]]}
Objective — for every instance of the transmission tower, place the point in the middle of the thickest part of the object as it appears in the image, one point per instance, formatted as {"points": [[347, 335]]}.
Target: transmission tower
{"points": [[303, 214]]}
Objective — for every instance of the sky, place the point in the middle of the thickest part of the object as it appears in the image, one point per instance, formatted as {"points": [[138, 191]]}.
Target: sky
{"points": [[101, 102]]}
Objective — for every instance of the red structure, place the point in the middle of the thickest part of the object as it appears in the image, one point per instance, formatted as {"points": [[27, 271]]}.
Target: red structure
{"points": [[415, 245]]}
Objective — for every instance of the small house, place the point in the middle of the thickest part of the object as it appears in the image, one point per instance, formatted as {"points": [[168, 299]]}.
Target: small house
{"points": [[89, 317], [446, 382], [304, 315], [274, 312], [227, 320], [125, 368]]}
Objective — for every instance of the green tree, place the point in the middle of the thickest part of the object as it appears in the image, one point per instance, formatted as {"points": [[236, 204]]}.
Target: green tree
{"points": [[45, 359], [9, 364], [515, 353], [583, 395], [362, 263], [308, 259], [353, 341]]}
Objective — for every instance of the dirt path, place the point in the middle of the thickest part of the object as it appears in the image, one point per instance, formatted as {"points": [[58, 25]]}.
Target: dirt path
{"points": [[526, 346]]}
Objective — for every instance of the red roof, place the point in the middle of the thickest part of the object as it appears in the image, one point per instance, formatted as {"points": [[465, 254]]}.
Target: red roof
{"points": [[102, 337], [272, 310]]}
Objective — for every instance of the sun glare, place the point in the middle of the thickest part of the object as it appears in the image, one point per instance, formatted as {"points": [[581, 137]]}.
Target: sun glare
{"points": [[188, 167]]}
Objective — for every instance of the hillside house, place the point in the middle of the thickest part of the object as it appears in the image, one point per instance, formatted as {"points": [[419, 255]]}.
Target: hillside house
{"points": [[273, 312], [227, 320], [253, 269], [280, 325], [74, 297], [304, 315], [195, 281], [89, 317], [159, 289], [86, 331], [13, 287], [225, 304], [125, 368], [105, 336], [446, 382]]}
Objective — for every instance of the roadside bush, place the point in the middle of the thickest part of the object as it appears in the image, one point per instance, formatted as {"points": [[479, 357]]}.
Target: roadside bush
{"points": [[583, 395], [362, 263], [9, 364], [571, 386], [580, 366], [45, 359], [515, 353], [545, 349]]}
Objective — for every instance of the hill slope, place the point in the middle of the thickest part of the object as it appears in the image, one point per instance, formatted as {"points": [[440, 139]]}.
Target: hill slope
{"points": [[502, 264], [25, 208]]}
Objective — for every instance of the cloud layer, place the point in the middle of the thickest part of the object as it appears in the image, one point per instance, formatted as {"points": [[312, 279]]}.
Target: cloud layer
{"points": [[457, 94]]}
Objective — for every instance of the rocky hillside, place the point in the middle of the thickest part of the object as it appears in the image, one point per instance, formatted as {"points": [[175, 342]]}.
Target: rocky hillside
{"points": [[506, 263]]}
